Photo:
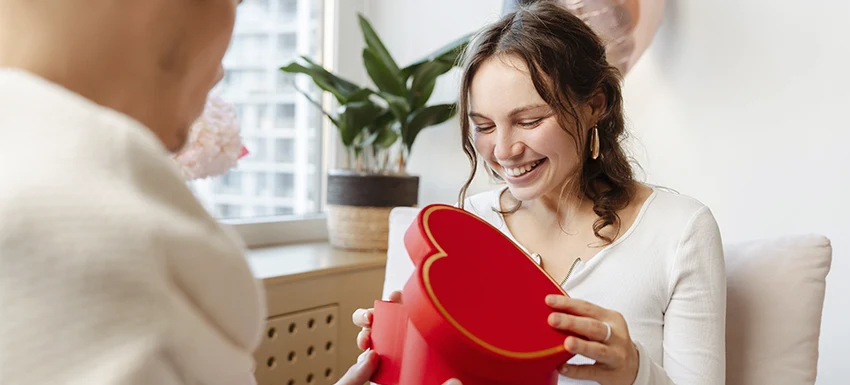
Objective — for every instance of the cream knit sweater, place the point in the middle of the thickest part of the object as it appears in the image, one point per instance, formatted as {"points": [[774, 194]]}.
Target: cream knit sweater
{"points": [[110, 271]]}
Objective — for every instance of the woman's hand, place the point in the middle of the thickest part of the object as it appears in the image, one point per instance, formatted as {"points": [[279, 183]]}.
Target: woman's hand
{"points": [[604, 337], [362, 371], [363, 318], [367, 362]]}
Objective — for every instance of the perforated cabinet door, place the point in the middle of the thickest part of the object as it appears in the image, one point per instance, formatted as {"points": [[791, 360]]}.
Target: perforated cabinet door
{"points": [[299, 348]]}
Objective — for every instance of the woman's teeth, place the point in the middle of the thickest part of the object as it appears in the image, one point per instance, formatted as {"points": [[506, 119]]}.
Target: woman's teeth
{"points": [[520, 171]]}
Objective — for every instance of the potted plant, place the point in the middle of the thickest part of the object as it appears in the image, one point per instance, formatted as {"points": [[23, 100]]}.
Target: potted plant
{"points": [[377, 127]]}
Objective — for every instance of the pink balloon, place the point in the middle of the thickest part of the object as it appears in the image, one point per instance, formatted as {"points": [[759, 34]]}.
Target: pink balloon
{"points": [[626, 26]]}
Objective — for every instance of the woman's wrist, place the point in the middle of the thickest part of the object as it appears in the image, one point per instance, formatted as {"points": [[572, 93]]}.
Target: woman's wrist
{"points": [[642, 374]]}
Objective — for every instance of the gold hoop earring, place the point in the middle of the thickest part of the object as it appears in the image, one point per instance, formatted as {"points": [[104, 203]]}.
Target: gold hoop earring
{"points": [[594, 143]]}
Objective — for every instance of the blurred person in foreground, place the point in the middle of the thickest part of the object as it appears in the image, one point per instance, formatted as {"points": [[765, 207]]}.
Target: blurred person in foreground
{"points": [[111, 272]]}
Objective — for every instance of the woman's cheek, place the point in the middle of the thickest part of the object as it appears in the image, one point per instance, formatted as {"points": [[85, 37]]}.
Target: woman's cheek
{"points": [[484, 149]]}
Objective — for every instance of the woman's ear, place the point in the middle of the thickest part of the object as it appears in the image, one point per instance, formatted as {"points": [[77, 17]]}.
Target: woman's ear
{"points": [[597, 105]]}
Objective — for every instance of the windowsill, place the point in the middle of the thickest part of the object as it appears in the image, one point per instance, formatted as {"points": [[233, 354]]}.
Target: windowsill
{"points": [[270, 232], [278, 264]]}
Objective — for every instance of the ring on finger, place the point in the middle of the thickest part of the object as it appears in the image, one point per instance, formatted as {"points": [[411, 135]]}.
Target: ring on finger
{"points": [[608, 331]]}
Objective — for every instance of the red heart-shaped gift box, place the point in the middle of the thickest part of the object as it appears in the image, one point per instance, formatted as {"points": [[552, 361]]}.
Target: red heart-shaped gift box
{"points": [[474, 309]]}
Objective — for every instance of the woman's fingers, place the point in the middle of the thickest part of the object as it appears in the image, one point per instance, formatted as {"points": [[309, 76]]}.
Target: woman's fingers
{"points": [[362, 318], [597, 351], [589, 328], [360, 372], [364, 339], [576, 306], [593, 372]]}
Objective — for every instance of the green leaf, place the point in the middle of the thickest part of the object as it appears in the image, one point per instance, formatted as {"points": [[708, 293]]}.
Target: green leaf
{"points": [[319, 106], [384, 119], [408, 71], [382, 76], [448, 54], [373, 42], [451, 51], [386, 137], [385, 131], [343, 83], [321, 80], [424, 81], [354, 117], [340, 88], [426, 117], [398, 105], [359, 95], [346, 133]]}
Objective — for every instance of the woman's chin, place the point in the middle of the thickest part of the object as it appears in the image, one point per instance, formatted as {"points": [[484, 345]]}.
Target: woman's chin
{"points": [[524, 193]]}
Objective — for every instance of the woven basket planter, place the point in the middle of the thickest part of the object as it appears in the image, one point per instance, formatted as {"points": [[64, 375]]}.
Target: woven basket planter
{"points": [[359, 207]]}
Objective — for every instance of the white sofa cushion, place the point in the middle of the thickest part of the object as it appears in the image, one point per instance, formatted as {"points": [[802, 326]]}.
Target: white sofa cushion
{"points": [[399, 265], [775, 292]]}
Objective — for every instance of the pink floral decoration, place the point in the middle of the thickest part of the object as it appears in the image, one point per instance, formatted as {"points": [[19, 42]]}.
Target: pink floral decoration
{"points": [[214, 146]]}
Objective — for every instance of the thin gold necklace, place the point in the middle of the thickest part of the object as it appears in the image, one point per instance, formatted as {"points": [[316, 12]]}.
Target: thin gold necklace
{"points": [[538, 259]]}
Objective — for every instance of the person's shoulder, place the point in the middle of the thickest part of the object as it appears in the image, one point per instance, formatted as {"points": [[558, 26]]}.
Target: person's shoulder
{"points": [[676, 206], [54, 138], [676, 213], [100, 168]]}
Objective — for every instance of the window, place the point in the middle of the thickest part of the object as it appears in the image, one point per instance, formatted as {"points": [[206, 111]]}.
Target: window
{"points": [[283, 211], [252, 117], [285, 82], [283, 185], [284, 116], [248, 48], [230, 183], [253, 12], [259, 150], [228, 211], [245, 81], [262, 184], [261, 210], [284, 150], [288, 9], [274, 118], [286, 46]]}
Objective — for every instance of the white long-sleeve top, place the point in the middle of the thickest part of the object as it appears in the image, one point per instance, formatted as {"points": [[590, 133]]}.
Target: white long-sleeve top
{"points": [[666, 275], [111, 272]]}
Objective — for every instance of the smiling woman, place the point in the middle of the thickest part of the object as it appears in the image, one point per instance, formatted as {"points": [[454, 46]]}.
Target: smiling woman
{"points": [[643, 267], [565, 123]]}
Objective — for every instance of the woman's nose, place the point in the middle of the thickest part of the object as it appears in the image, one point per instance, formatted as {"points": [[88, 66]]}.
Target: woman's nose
{"points": [[507, 145]]}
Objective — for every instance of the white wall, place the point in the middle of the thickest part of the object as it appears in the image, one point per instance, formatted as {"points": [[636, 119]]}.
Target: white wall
{"points": [[743, 103], [739, 103]]}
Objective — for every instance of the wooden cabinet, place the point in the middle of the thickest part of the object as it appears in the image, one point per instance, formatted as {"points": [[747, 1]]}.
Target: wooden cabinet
{"points": [[312, 291]]}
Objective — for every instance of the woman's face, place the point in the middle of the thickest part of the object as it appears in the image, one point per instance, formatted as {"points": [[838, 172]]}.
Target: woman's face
{"points": [[516, 133]]}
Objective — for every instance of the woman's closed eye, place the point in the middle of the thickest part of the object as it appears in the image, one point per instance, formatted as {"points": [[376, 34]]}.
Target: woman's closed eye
{"points": [[530, 123], [484, 127]]}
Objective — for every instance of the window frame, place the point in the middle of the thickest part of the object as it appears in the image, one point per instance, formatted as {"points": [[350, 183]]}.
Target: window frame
{"points": [[281, 230]]}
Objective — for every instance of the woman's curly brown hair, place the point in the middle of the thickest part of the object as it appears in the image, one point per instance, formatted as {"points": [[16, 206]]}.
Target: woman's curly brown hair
{"points": [[567, 64]]}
